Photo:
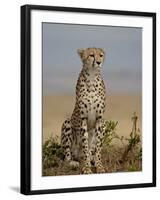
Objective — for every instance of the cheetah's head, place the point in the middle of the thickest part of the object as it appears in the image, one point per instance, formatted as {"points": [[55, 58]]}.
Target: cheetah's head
{"points": [[92, 58]]}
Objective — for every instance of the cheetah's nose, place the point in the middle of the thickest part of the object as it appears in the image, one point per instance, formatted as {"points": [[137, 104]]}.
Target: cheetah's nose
{"points": [[98, 63]]}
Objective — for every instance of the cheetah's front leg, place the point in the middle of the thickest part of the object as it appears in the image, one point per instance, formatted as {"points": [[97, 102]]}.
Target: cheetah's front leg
{"points": [[99, 138], [86, 167]]}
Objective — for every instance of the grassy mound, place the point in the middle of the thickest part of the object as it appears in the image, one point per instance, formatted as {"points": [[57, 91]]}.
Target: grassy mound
{"points": [[116, 158]]}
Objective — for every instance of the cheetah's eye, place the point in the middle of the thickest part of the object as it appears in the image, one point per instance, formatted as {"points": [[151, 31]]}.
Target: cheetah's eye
{"points": [[101, 55], [91, 55]]}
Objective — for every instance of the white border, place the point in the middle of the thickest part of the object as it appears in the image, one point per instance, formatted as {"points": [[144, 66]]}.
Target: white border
{"points": [[42, 183]]}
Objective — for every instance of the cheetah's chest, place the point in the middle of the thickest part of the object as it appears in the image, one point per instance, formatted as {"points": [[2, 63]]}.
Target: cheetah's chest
{"points": [[92, 112], [91, 115]]}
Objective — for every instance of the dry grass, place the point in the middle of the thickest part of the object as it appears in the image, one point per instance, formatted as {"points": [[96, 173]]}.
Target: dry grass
{"points": [[116, 158]]}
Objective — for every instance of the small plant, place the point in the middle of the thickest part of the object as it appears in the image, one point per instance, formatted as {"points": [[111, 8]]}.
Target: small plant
{"points": [[133, 140], [109, 132], [132, 167], [52, 152]]}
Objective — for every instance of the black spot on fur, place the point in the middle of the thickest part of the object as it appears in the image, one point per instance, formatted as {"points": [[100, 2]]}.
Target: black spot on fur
{"points": [[68, 129], [84, 139], [82, 131]]}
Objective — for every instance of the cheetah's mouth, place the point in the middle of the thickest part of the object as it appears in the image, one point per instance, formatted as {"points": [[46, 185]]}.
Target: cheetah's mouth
{"points": [[94, 65]]}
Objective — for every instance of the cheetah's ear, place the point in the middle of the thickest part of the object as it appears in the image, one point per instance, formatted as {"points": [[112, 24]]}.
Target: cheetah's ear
{"points": [[103, 50], [80, 52]]}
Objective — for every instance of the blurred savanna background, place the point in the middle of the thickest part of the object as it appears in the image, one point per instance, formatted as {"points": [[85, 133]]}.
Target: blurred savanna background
{"points": [[122, 73]]}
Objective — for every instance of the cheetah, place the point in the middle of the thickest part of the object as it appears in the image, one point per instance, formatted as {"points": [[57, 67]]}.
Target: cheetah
{"points": [[82, 134]]}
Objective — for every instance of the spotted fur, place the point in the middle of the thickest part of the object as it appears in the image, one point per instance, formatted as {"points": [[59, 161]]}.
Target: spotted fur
{"points": [[83, 133]]}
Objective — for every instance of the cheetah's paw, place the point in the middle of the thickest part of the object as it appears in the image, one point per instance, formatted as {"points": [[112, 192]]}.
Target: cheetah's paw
{"points": [[100, 169], [86, 170]]}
